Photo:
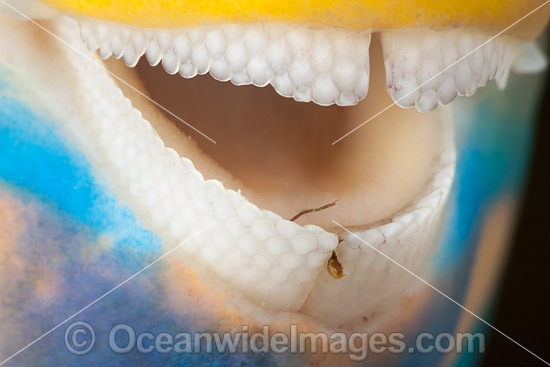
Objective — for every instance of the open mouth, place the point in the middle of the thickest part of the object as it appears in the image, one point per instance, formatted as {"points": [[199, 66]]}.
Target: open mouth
{"points": [[389, 182], [274, 157]]}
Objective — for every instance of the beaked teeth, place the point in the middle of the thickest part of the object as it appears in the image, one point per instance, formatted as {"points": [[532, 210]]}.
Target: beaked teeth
{"points": [[187, 70], [105, 51], [427, 68], [327, 67], [170, 62], [116, 46], [153, 53], [130, 56], [324, 66]]}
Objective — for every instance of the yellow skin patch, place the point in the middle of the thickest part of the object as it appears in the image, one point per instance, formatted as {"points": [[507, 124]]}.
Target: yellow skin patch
{"points": [[489, 15]]}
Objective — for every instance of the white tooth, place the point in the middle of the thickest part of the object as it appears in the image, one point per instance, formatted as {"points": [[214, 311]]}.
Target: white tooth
{"points": [[196, 35], [256, 41], [450, 53], [473, 87], [324, 91], [201, 59], [327, 242], [105, 51], [220, 70], [103, 33], [125, 35], [116, 46], [301, 73], [283, 85], [463, 78], [392, 230], [476, 59], [493, 66], [372, 237], [258, 72], [278, 57], [465, 44], [182, 48], [345, 75], [403, 88], [130, 56], [165, 41], [139, 41], [298, 41], [347, 99], [304, 244], [429, 69], [236, 57], [427, 101], [277, 245], [153, 52], [484, 78], [446, 92], [361, 89], [302, 94], [425, 66], [89, 38], [503, 72], [240, 78], [324, 66], [215, 44], [263, 229], [351, 65], [316, 260], [322, 54], [289, 229], [170, 62]]}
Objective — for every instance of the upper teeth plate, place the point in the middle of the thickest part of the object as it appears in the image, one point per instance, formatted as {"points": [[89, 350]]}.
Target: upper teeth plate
{"points": [[424, 68], [323, 66]]}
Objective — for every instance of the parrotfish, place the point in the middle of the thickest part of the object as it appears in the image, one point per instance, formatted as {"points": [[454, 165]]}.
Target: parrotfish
{"points": [[139, 207]]}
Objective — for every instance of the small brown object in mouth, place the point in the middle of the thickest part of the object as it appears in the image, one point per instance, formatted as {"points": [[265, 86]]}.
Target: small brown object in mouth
{"points": [[334, 267], [307, 211]]}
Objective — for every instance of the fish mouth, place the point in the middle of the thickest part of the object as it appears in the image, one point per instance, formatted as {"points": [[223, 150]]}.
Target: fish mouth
{"points": [[275, 159], [391, 179]]}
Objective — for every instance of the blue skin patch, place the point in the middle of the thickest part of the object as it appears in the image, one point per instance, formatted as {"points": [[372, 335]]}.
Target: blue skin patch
{"points": [[492, 150], [77, 244]]}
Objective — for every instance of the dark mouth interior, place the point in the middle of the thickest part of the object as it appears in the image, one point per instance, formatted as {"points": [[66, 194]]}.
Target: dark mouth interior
{"points": [[258, 133], [280, 152]]}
